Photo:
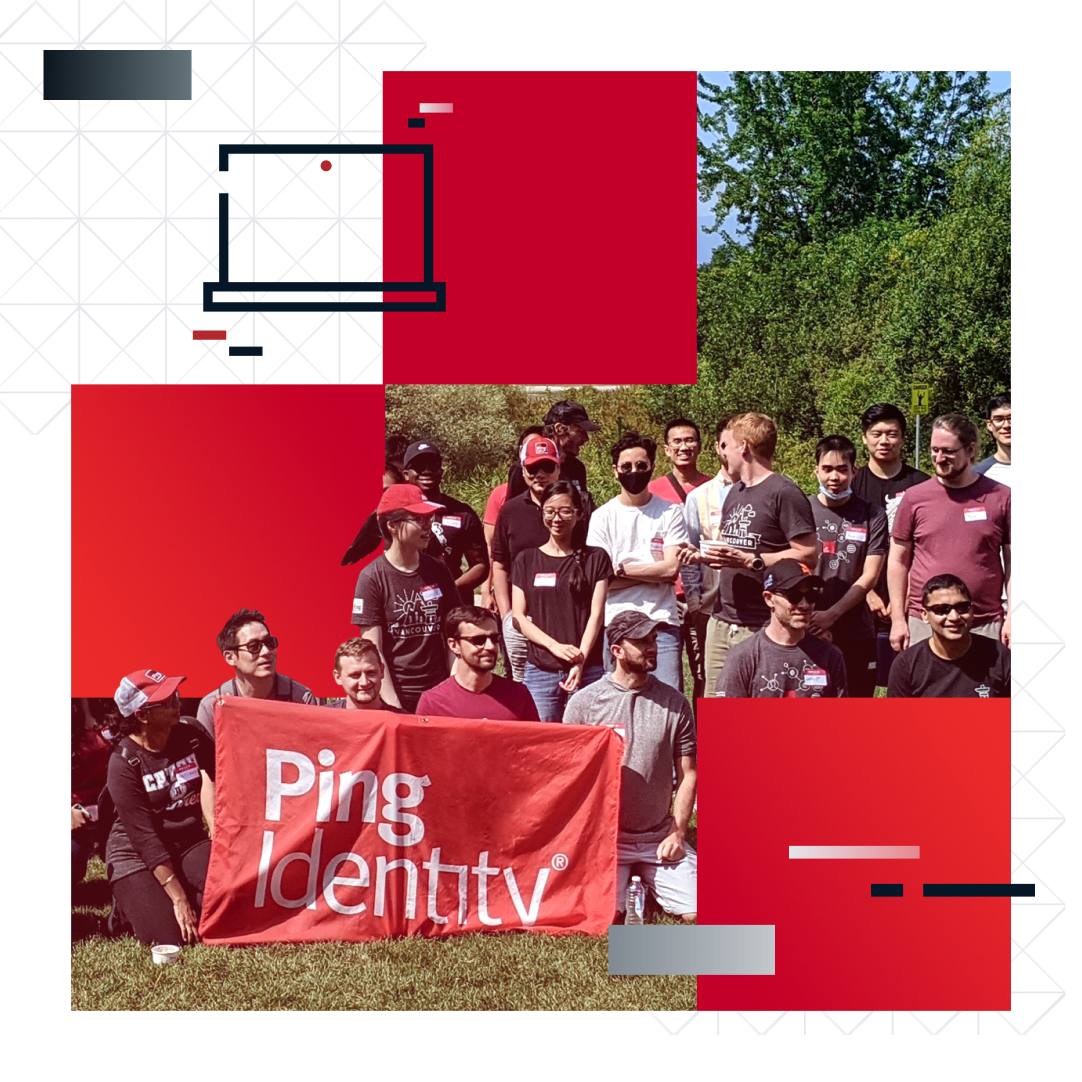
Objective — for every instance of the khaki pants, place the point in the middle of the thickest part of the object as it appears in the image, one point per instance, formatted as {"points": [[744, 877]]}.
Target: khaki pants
{"points": [[719, 638], [919, 630]]}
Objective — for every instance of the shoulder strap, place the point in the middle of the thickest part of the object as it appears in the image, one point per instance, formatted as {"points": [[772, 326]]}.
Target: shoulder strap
{"points": [[679, 488]]}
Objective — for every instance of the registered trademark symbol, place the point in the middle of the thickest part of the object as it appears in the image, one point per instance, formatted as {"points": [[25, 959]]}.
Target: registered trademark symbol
{"points": [[559, 862]]}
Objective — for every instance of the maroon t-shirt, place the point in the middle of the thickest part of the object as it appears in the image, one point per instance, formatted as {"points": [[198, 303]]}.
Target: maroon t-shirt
{"points": [[502, 700], [957, 531]]}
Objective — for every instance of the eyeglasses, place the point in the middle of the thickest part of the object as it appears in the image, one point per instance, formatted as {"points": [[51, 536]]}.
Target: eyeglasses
{"points": [[542, 467], [558, 512], [255, 646], [795, 597], [634, 467], [960, 607], [480, 640], [691, 441], [999, 422]]}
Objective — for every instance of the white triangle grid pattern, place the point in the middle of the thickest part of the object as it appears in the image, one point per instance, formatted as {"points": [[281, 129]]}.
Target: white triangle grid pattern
{"points": [[1019, 863], [109, 209]]}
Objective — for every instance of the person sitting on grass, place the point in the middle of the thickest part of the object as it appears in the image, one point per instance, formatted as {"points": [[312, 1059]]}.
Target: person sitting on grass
{"points": [[160, 787], [358, 671], [655, 722], [473, 690]]}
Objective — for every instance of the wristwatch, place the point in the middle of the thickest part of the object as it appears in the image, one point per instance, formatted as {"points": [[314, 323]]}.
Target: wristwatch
{"points": [[620, 570], [757, 563]]}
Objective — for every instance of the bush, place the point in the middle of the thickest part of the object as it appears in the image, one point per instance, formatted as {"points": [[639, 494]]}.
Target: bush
{"points": [[471, 425]]}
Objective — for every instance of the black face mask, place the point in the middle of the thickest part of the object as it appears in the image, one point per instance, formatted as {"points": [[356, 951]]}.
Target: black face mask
{"points": [[634, 482]]}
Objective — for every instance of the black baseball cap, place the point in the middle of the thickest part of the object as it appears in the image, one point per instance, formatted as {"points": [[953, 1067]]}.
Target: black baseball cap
{"points": [[630, 624], [786, 574], [417, 450], [570, 413]]}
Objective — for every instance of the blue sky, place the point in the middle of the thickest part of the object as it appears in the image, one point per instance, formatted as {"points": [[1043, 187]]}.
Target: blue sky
{"points": [[707, 242]]}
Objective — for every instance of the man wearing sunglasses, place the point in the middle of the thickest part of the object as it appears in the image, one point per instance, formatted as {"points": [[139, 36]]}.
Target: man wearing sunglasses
{"points": [[521, 526], [781, 660], [473, 690], [953, 663], [252, 652], [643, 536]]}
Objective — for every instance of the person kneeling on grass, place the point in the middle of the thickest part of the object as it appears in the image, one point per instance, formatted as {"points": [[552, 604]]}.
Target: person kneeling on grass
{"points": [[655, 722], [161, 784]]}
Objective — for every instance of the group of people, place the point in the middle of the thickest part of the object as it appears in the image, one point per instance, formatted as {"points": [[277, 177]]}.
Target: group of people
{"points": [[886, 576]]}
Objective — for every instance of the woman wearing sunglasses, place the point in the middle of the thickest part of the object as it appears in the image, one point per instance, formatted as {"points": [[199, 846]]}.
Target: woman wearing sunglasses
{"points": [[558, 602], [160, 787]]}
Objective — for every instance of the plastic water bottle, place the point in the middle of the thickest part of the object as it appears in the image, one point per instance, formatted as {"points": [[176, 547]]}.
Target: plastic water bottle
{"points": [[636, 901]]}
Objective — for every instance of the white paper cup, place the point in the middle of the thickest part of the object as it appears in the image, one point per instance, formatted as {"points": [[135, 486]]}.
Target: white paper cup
{"points": [[165, 955]]}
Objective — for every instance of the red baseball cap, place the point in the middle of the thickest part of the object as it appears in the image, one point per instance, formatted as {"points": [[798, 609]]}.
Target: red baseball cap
{"points": [[540, 449], [145, 688], [406, 498]]}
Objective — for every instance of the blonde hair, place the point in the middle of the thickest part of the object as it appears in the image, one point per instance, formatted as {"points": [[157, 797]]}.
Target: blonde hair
{"points": [[758, 430]]}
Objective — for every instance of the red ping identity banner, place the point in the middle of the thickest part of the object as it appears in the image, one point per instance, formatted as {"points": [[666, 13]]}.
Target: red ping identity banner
{"points": [[358, 826]]}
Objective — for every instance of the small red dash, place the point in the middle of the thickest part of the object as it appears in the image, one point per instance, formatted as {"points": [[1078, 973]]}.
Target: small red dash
{"points": [[324, 166], [203, 335]]}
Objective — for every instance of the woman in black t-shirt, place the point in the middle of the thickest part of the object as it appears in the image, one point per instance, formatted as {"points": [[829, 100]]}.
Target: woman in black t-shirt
{"points": [[558, 603], [160, 784]]}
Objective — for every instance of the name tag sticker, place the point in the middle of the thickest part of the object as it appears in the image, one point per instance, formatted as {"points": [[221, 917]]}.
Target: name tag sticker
{"points": [[657, 548], [431, 593], [545, 578], [358, 606], [815, 678], [975, 514], [856, 533], [189, 773], [454, 521]]}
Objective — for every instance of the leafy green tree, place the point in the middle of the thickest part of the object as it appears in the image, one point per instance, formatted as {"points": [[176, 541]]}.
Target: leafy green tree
{"points": [[802, 156]]}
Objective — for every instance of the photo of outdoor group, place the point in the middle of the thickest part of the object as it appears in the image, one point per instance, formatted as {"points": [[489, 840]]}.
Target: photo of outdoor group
{"points": [[452, 674]]}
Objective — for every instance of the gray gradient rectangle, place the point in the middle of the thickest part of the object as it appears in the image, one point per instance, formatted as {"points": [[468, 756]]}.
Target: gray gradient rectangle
{"points": [[713, 950], [117, 74], [854, 852]]}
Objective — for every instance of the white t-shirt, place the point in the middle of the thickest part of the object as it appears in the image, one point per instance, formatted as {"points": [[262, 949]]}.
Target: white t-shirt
{"points": [[639, 535]]}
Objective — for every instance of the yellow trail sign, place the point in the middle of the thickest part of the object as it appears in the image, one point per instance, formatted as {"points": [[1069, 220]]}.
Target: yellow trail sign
{"points": [[921, 394]]}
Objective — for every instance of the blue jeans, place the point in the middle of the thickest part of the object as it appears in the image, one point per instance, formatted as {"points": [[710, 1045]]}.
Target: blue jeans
{"points": [[669, 668], [549, 698]]}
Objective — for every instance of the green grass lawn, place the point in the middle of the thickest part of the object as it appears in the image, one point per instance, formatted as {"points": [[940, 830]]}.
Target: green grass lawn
{"points": [[508, 972]]}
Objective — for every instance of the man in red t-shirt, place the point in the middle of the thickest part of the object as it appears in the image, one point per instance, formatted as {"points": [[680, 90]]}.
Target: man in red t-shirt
{"points": [[683, 443], [957, 523]]}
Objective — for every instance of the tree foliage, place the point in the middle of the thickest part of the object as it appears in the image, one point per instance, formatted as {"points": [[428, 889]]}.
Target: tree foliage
{"points": [[815, 333], [804, 155]]}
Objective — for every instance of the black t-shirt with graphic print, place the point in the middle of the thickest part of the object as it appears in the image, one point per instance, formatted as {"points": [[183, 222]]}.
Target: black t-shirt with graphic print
{"points": [[762, 518], [982, 672], [156, 796], [845, 537], [409, 607]]}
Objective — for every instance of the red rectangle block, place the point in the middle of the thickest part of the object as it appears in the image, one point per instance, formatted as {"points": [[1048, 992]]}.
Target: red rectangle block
{"points": [[204, 336], [560, 225], [857, 772], [191, 502]]}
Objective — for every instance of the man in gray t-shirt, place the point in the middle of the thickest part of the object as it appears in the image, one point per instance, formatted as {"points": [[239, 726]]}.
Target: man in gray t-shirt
{"points": [[656, 724], [781, 660]]}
